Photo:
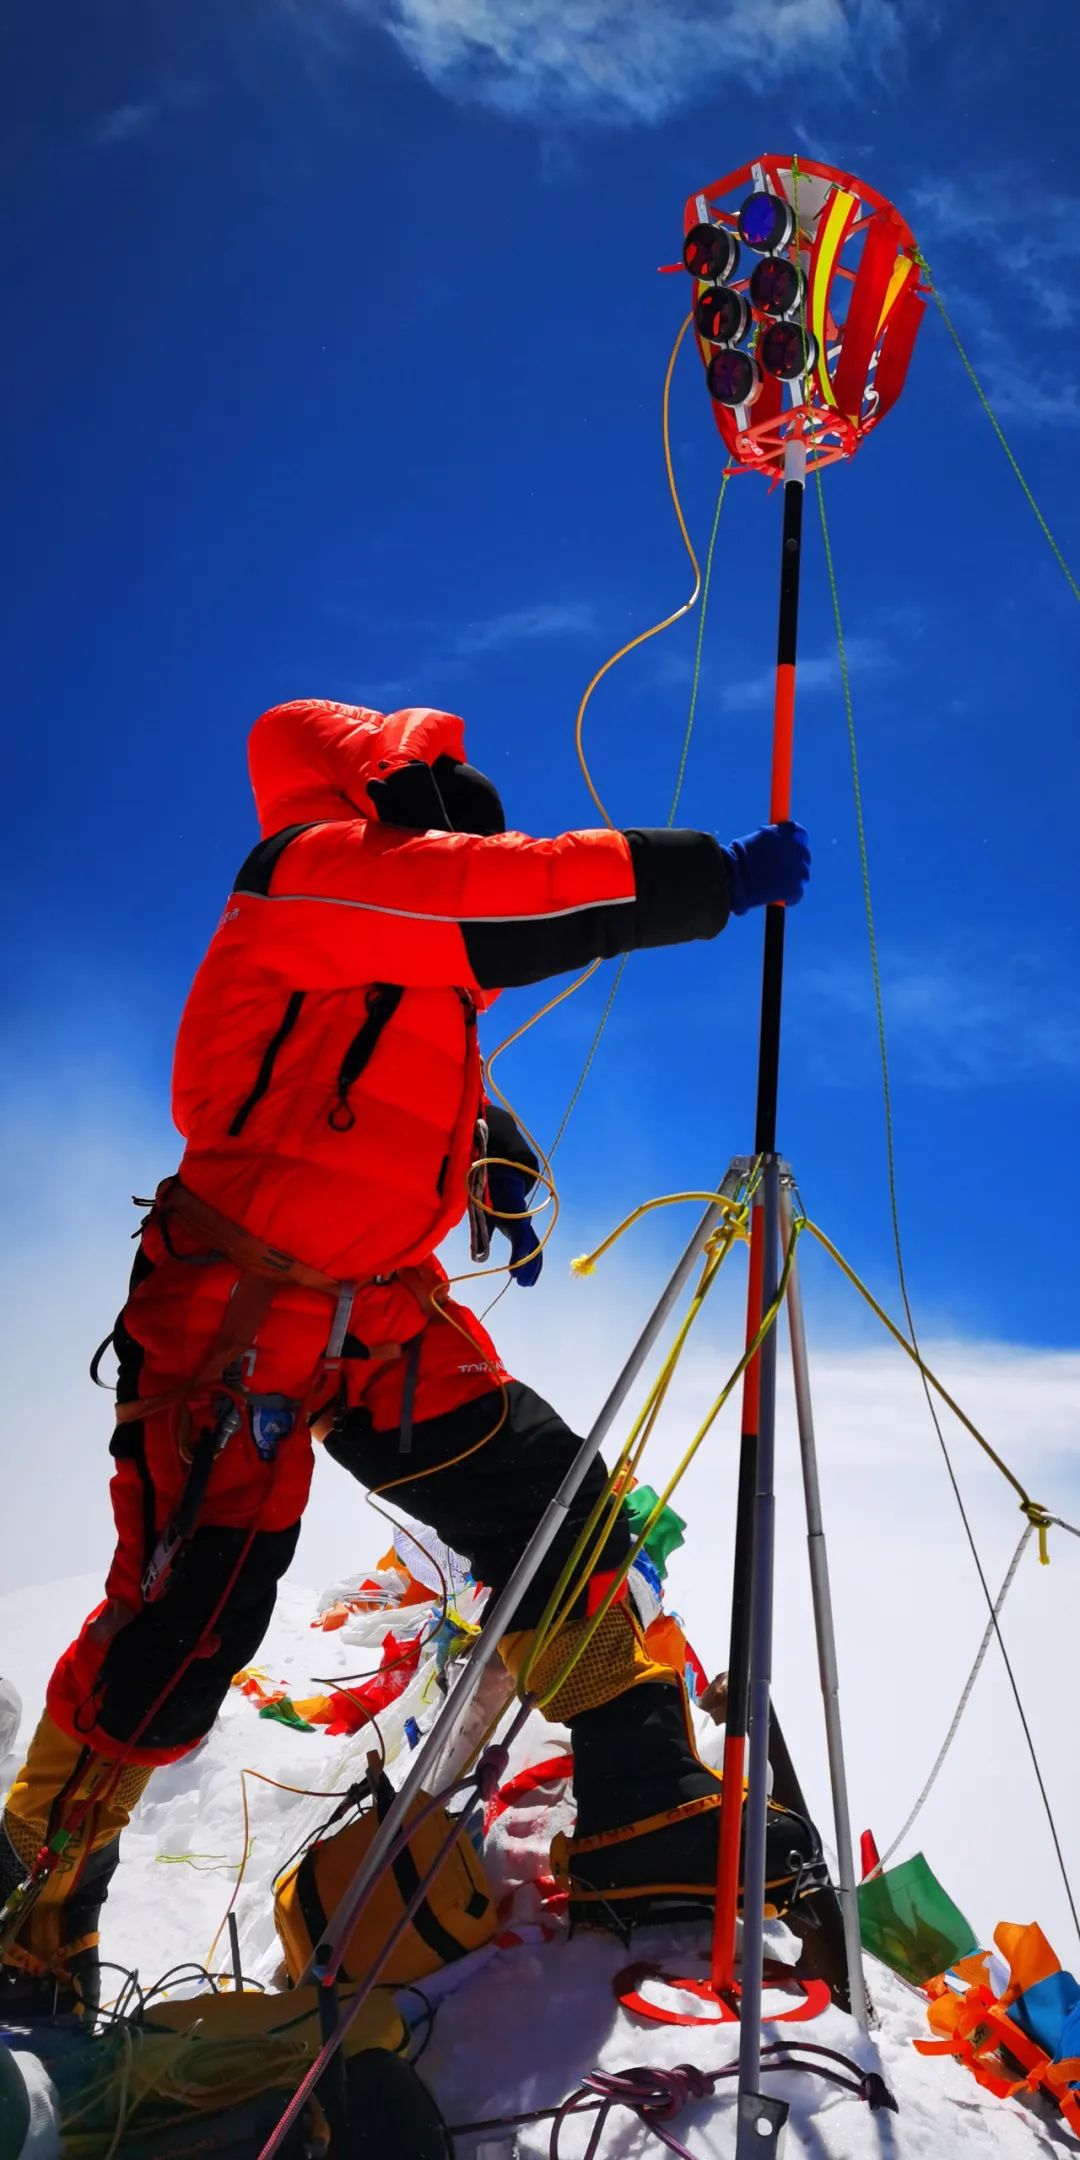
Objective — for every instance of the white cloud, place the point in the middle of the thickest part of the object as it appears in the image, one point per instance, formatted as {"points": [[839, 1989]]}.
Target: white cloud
{"points": [[818, 673], [1001, 294], [988, 213], [66, 1225], [527, 625], [123, 123], [436, 651], [959, 1018], [909, 1611], [1018, 386], [609, 61]]}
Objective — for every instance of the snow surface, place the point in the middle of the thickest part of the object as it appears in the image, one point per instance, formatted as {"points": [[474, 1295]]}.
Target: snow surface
{"points": [[516, 2028]]}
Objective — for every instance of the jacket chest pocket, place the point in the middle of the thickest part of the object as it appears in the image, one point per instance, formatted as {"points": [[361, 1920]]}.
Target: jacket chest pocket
{"points": [[381, 1002]]}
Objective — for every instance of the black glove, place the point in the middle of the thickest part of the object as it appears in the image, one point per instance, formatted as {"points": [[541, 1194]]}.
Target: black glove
{"points": [[509, 1184]]}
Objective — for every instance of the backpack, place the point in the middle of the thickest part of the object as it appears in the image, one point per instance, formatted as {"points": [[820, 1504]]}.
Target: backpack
{"points": [[456, 1915]]}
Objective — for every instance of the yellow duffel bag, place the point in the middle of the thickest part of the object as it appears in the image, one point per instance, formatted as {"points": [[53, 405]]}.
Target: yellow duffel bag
{"points": [[456, 1915]]}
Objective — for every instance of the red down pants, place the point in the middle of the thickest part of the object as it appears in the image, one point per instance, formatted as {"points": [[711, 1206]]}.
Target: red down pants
{"points": [[145, 1681]]}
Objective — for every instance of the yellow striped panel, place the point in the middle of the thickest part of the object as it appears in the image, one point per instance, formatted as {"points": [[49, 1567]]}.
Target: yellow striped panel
{"points": [[903, 270], [829, 244]]}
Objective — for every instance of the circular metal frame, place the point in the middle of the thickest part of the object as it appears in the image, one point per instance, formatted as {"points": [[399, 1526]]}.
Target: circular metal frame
{"points": [[863, 304]]}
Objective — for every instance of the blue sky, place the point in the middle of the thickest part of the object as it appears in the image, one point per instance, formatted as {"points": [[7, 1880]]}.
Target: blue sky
{"points": [[335, 370]]}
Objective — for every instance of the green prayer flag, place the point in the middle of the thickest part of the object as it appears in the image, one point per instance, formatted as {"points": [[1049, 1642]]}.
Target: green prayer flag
{"points": [[285, 1713], [908, 1921], [666, 1535]]}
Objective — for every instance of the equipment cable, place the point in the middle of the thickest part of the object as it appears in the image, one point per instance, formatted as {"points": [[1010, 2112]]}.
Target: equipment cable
{"points": [[894, 1207], [997, 427], [988, 1636]]}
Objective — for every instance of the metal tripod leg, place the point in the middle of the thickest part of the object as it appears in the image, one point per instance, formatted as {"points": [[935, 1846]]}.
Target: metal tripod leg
{"points": [[759, 2118], [500, 1615], [823, 1624]]}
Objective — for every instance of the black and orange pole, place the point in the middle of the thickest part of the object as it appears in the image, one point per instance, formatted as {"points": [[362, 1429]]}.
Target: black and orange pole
{"points": [[746, 1740]]}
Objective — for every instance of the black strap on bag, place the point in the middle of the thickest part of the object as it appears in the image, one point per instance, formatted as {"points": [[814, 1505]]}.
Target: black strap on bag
{"points": [[406, 1877]]}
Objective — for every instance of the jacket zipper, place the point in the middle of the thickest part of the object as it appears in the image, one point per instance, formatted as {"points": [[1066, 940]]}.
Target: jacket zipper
{"points": [[269, 1058]]}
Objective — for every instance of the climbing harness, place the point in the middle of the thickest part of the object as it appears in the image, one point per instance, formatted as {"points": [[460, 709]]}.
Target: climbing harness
{"points": [[262, 1271]]}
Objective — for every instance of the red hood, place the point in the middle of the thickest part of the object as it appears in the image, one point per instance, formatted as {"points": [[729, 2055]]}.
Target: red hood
{"points": [[311, 760]]}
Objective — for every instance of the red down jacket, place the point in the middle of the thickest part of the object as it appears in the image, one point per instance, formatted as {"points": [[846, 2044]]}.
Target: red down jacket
{"points": [[327, 1077], [327, 1083]]}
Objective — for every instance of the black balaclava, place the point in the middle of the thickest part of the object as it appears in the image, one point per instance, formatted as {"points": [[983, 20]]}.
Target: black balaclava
{"points": [[445, 797], [473, 803]]}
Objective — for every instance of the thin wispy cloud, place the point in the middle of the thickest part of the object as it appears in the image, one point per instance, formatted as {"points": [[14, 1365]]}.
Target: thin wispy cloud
{"points": [[987, 213], [968, 230], [1017, 385], [955, 1019], [603, 60], [526, 626], [437, 653], [819, 674], [123, 124]]}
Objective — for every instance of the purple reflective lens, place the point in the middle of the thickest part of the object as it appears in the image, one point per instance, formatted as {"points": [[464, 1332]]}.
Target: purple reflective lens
{"points": [[734, 377], [776, 286], [766, 222], [787, 350]]}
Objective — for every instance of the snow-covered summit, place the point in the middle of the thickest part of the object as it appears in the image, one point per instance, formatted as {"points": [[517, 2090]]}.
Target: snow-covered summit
{"points": [[517, 2027]]}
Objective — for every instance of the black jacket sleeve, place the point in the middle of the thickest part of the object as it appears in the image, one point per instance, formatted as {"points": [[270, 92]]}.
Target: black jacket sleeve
{"points": [[680, 893]]}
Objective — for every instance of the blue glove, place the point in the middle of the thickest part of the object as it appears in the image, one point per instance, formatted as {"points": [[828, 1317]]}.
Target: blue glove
{"points": [[508, 1191], [770, 864]]}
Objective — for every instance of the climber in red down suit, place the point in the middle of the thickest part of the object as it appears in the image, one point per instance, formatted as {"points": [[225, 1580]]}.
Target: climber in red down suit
{"points": [[328, 1086]]}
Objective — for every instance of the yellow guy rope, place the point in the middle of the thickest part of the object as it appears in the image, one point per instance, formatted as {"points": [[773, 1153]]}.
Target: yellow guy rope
{"points": [[581, 1561], [676, 616], [997, 427], [676, 794], [641, 638], [579, 1565], [768, 1320], [1035, 1512]]}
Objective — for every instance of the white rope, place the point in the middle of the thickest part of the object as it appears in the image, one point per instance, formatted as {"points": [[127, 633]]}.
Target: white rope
{"points": [[991, 1631]]}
